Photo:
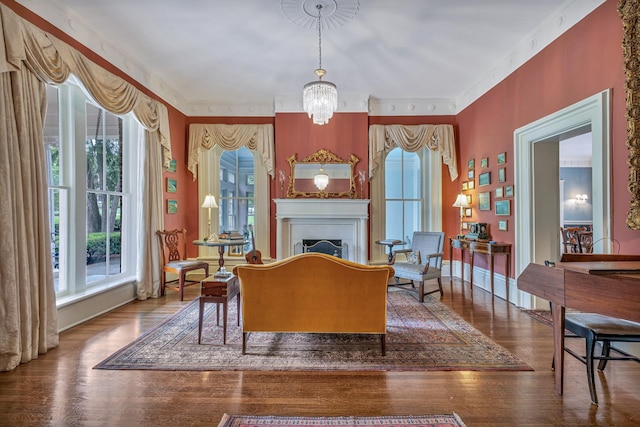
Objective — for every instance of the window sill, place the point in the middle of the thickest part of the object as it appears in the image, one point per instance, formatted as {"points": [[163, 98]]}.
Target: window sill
{"points": [[67, 300]]}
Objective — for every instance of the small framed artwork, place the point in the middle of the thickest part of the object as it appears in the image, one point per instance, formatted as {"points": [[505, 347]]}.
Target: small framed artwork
{"points": [[502, 158], [471, 164], [499, 192], [465, 225], [469, 199], [484, 201], [471, 185], [172, 185], [508, 191], [464, 186], [172, 206], [502, 174], [470, 174], [467, 212], [484, 179], [172, 165], [502, 225], [503, 207], [484, 163], [236, 250]]}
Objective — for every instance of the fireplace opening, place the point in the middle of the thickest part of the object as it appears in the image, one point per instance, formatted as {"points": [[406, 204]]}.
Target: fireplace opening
{"points": [[333, 247]]}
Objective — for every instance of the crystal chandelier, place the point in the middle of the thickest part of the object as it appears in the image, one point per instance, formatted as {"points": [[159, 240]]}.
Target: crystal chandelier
{"points": [[321, 180], [320, 98]]}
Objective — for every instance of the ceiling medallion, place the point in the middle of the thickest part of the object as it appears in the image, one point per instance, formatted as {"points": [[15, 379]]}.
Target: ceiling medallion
{"points": [[304, 13]]}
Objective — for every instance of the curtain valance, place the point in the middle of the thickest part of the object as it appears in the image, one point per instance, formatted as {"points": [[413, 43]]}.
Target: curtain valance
{"points": [[231, 137], [412, 138], [53, 61]]}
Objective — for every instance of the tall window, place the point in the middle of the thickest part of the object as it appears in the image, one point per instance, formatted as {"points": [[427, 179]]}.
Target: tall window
{"points": [[91, 160], [237, 182], [403, 194]]}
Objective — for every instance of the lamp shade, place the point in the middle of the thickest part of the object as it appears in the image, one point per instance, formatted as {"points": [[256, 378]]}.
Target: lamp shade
{"points": [[461, 202], [209, 201]]}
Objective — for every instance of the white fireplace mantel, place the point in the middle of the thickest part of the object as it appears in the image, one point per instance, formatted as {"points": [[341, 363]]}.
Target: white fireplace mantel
{"points": [[344, 219]]}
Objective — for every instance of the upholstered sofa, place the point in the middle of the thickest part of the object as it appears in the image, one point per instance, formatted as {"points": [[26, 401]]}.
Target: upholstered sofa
{"points": [[314, 292]]}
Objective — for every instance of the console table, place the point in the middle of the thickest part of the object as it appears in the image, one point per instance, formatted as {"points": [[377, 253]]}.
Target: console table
{"points": [[483, 247]]}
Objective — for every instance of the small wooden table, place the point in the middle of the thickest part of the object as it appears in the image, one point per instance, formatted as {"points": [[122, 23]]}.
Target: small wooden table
{"points": [[483, 247], [221, 245], [220, 290], [390, 243]]}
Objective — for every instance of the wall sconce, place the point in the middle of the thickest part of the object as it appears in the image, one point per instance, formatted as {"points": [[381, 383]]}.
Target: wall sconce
{"points": [[581, 198]]}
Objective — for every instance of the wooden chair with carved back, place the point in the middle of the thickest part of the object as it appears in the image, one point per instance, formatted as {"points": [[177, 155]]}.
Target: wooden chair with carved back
{"points": [[173, 254]]}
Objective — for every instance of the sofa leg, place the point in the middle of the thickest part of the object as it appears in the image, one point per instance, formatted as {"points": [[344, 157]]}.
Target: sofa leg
{"points": [[244, 343]]}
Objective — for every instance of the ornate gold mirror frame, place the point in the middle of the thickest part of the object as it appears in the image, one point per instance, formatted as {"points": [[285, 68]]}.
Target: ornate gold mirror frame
{"points": [[630, 13], [340, 172]]}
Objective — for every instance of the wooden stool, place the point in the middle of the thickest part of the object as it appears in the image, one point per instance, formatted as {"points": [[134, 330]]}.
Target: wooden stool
{"points": [[220, 290]]}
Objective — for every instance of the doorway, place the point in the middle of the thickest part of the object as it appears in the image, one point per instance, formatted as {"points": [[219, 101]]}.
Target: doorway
{"points": [[537, 174]]}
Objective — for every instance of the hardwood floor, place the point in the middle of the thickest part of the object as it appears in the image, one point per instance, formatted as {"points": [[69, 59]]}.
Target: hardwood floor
{"points": [[61, 388]]}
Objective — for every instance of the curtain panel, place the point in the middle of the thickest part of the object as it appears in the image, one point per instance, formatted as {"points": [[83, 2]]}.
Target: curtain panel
{"points": [[30, 57], [439, 138], [231, 137]]}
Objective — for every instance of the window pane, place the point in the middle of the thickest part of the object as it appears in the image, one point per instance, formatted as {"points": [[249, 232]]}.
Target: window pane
{"points": [[412, 219], [411, 175], [113, 153], [115, 238], [394, 222], [94, 147], [237, 191], [52, 136], [393, 174]]}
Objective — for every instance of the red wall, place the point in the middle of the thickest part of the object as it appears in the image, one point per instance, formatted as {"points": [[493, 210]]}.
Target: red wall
{"points": [[584, 61]]}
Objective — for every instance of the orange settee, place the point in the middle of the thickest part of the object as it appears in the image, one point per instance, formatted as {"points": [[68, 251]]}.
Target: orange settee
{"points": [[314, 292]]}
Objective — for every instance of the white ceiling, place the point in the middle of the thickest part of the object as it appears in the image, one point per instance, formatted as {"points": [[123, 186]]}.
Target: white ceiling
{"points": [[244, 57]]}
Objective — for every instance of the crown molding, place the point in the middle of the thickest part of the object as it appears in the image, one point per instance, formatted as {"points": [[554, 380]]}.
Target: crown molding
{"points": [[411, 107], [347, 103], [565, 17]]}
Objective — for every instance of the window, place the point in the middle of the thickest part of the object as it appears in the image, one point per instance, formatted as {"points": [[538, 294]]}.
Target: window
{"points": [[236, 195], [90, 153], [403, 194]]}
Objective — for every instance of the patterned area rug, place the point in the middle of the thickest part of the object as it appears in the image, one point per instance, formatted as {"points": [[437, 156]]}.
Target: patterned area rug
{"points": [[446, 420], [420, 337]]}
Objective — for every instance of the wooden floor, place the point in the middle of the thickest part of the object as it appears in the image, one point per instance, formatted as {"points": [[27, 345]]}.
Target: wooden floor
{"points": [[61, 388]]}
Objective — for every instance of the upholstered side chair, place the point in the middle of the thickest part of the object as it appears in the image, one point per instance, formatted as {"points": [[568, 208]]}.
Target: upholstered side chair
{"points": [[173, 255], [423, 263]]}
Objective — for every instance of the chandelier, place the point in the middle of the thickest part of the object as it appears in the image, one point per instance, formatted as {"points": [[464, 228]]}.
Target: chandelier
{"points": [[321, 180], [320, 98]]}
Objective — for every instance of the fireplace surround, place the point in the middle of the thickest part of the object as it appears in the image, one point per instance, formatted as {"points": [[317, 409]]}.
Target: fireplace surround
{"points": [[322, 219]]}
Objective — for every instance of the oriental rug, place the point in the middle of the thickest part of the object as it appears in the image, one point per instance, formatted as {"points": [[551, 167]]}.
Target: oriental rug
{"points": [[420, 337], [444, 420]]}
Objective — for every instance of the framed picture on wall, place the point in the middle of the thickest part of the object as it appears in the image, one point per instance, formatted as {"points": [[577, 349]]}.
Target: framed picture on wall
{"points": [[467, 212], [502, 174], [484, 179], [502, 225], [469, 198], [508, 191], [172, 206], [484, 201], [464, 186], [502, 158], [484, 163], [471, 164], [471, 185], [499, 192], [470, 174], [172, 165], [172, 185], [503, 207]]}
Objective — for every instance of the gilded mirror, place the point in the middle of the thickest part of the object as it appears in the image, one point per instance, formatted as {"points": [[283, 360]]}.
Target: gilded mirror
{"points": [[338, 172]]}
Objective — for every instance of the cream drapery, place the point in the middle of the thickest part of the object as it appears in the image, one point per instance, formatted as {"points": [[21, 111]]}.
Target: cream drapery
{"points": [[384, 138], [30, 57], [231, 137]]}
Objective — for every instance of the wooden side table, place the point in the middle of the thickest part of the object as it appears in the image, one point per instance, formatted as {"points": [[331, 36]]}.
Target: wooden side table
{"points": [[489, 248], [220, 290]]}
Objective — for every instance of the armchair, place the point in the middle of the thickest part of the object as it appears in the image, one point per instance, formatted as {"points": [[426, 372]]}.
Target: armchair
{"points": [[424, 262]]}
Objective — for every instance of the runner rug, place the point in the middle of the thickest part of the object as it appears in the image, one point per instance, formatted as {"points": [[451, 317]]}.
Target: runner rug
{"points": [[446, 420], [420, 337]]}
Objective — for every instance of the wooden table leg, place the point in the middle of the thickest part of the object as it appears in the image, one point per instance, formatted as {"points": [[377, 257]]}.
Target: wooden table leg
{"points": [[471, 269], [557, 314], [220, 257]]}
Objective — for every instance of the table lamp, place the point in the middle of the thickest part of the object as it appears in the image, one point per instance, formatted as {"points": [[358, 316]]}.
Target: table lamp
{"points": [[209, 202], [461, 202]]}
